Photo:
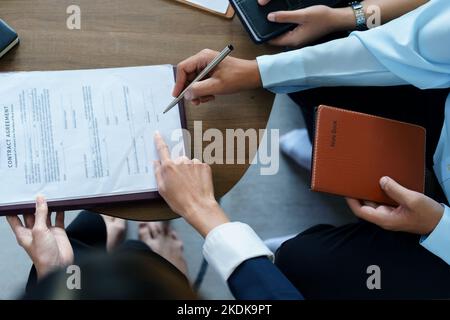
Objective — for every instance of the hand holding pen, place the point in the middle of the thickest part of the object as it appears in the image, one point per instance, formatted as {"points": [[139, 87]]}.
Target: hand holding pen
{"points": [[229, 76]]}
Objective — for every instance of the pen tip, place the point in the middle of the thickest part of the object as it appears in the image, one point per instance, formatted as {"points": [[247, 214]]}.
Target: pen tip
{"points": [[230, 46]]}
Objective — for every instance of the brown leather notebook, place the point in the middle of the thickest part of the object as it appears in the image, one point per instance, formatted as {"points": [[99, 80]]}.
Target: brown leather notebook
{"points": [[352, 151]]}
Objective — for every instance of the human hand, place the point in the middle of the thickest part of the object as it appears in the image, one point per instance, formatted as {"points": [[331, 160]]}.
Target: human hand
{"points": [[312, 23], [187, 187], [416, 212], [230, 76], [48, 246]]}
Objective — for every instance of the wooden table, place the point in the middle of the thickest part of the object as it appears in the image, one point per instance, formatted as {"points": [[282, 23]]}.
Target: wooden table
{"points": [[117, 33]]}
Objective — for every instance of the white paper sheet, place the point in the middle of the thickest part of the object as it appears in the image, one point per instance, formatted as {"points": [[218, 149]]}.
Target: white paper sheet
{"points": [[81, 134], [220, 6]]}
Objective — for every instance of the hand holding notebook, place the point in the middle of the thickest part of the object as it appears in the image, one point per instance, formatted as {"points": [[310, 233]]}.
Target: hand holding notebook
{"points": [[416, 213], [353, 151], [379, 164]]}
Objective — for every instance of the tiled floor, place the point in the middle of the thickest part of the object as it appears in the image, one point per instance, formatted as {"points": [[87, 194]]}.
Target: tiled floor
{"points": [[273, 205]]}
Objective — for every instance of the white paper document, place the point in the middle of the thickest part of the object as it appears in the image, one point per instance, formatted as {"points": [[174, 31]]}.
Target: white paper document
{"points": [[220, 6], [82, 134]]}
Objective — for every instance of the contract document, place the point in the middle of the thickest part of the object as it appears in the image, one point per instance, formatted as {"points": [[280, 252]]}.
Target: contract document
{"points": [[83, 137]]}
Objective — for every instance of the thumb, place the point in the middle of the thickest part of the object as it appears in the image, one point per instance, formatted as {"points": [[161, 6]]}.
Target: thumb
{"points": [[203, 88], [284, 16], [395, 191]]}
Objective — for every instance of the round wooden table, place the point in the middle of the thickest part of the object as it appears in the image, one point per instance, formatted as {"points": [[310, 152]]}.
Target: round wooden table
{"points": [[117, 33]]}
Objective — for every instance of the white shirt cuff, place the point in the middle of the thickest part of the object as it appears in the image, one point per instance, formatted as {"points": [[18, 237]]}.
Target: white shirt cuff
{"points": [[438, 241], [230, 244]]}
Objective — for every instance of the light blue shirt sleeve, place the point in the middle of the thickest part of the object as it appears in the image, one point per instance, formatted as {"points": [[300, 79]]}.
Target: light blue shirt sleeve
{"points": [[438, 241], [342, 62]]}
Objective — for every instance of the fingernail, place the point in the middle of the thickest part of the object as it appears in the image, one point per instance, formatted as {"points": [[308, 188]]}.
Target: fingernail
{"points": [[157, 134], [188, 95], [383, 182], [271, 17], [40, 200]]}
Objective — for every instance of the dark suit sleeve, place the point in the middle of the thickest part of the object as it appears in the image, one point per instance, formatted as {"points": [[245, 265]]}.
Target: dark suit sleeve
{"points": [[259, 279]]}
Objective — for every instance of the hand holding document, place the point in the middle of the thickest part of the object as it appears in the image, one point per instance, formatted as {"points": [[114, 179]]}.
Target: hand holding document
{"points": [[82, 137]]}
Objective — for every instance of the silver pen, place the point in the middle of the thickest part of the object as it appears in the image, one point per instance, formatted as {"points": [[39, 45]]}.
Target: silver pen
{"points": [[225, 52]]}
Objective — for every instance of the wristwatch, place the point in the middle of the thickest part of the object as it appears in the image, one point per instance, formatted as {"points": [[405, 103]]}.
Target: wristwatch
{"points": [[359, 14]]}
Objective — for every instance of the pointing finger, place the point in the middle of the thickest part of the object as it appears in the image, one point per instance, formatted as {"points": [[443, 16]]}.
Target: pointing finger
{"points": [[161, 146]]}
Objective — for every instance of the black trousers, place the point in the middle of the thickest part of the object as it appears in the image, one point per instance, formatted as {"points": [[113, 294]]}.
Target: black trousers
{"points": [[326, 262], [87, 234]]}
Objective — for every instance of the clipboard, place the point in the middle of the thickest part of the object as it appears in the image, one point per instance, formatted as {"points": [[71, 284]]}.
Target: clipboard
{"points": [[228, 15], [91, 203]]}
